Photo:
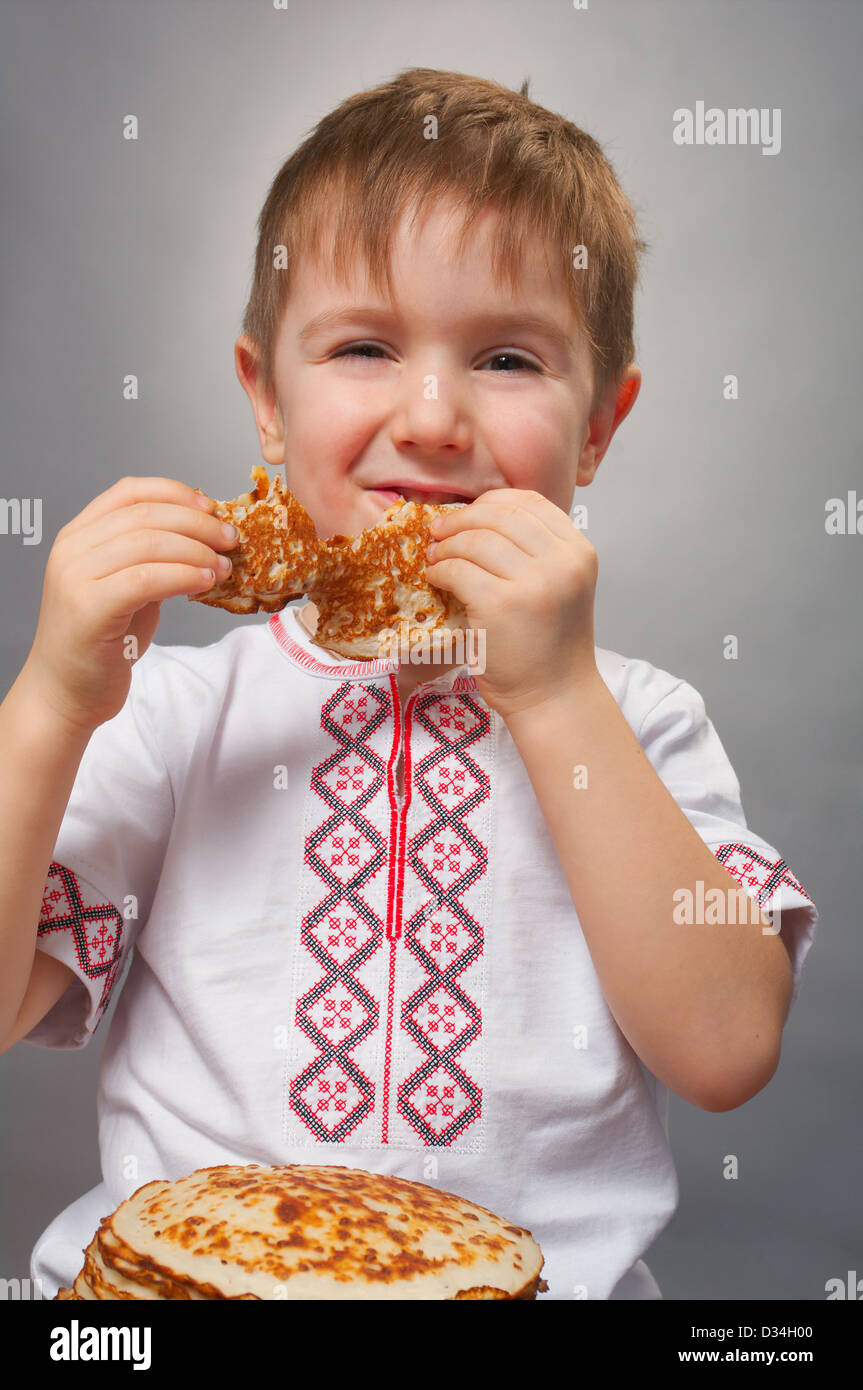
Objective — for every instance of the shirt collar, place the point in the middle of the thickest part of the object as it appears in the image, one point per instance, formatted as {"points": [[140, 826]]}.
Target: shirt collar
{"points": [[296, 645]]}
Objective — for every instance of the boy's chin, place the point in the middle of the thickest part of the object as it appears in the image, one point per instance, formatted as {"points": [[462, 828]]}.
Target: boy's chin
{"points": [[362, 508]]}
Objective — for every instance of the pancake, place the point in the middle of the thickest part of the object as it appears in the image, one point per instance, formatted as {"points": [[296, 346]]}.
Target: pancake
{"points": [[114, 1282], [367, 588], [83, 1290], [372, 589], [242, 1232]]}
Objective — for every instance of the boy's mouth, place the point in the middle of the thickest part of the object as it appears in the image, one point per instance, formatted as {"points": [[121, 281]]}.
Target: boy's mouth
{"points": [[391, 492]]}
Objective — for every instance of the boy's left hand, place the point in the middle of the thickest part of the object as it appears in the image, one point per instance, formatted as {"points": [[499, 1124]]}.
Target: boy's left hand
{"points": [[527, 575]]}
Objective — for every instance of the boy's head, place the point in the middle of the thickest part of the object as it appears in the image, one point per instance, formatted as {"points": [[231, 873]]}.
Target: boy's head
{"points": [[482, 260]]}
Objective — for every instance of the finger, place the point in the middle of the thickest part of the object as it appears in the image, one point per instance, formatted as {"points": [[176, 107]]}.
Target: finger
{"points": [[489, 550], [129, 490], [169, 517], [125, 592], [149, 547], [535, 503], [522, 525], [512, 501], [470, 584]]}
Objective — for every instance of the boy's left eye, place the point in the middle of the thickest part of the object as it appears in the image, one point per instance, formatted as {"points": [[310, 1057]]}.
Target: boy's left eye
{"points": [[514, 357], [360, 349]]}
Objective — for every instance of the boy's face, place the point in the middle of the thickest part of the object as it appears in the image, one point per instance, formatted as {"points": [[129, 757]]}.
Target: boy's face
{"points": [[435, 391]]}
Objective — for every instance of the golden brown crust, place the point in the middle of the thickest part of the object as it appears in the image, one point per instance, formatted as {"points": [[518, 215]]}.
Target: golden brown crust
{"points": [[240, 1232], [276, 556], [527, 1291], [364, 587]]}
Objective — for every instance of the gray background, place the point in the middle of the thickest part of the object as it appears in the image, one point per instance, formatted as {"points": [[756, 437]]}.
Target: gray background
{"points": [[707, 515]]}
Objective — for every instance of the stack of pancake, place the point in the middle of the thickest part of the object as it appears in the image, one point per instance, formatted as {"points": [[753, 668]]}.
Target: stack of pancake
{"points": [[302, 1232]]}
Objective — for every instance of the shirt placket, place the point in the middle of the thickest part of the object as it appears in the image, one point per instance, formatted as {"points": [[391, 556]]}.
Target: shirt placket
{"points": [[432, 1088], [395, 909]]}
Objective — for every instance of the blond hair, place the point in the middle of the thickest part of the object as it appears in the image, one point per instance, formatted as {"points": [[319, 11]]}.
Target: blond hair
{"points": [[370, 158]]}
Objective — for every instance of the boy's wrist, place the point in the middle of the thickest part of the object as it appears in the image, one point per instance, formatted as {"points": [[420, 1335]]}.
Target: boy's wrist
{"points": [[40, 716], [582, 688]]}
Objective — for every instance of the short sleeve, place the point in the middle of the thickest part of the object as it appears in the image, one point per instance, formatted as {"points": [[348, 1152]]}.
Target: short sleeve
{"points": [[106, 863], [685, 750]]}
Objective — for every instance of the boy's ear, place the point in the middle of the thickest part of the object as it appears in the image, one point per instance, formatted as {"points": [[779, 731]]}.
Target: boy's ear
{"points": [[265, 406], [612, 411]]}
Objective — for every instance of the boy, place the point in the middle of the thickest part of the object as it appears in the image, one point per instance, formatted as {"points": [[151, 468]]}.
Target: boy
{"points": [[405, 919]]}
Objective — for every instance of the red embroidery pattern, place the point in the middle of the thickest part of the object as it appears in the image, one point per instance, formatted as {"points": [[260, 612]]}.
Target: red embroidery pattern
{"points": [[95, 927], [318, 666], [384, 1016], [753, 871], [334, 1092], [439, 1099]]}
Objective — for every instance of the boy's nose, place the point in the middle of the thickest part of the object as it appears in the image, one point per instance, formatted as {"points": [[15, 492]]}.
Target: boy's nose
{"points": [[430, 415]]}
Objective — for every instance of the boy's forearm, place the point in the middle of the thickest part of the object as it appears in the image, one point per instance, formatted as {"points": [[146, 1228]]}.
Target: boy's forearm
{"points": [[697, 1002], [39, 759]]}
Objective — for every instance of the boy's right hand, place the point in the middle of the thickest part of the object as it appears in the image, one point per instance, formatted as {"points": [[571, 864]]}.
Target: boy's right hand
{"points": [[141, 541]]}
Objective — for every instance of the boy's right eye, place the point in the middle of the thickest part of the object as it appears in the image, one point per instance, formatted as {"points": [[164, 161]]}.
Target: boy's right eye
{"points": [[356, 349]]}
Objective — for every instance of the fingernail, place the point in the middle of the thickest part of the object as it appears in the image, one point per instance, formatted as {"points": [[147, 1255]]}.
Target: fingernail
{"points": [[229, 531], [204, 501], [225, 564]]}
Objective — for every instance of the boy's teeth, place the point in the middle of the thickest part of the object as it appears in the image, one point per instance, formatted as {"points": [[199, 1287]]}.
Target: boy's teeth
{"points": [[435, 499]]}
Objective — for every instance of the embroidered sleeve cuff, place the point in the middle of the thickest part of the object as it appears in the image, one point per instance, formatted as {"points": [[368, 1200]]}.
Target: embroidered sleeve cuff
{"points": [[79, 926], [763, 873]]}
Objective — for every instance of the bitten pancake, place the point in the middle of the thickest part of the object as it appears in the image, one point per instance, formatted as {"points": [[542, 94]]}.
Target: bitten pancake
{"points": [[364, 587]]}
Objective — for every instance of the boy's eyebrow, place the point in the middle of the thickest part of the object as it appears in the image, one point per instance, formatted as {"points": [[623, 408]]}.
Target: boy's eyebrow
{"points": [[546, 328]]}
